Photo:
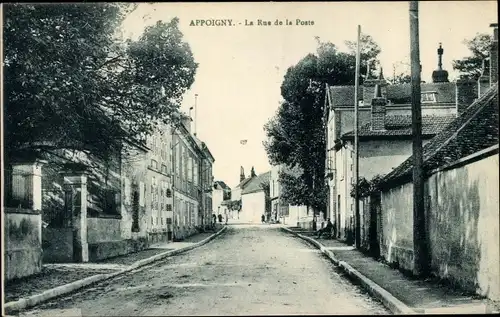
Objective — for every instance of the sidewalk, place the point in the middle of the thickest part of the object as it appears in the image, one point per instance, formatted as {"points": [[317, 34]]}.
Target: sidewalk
{"points": [[66, 274], [420, 296]]}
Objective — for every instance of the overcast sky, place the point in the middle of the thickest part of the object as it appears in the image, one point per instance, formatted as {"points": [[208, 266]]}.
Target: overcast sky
{"points": [[241, 67]]}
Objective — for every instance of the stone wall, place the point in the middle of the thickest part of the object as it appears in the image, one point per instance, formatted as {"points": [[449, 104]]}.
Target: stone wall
{"points": [[462, 207], [103, 229], [397, 226], [23, 243], [464, 226], [109, 249], [57, 245]]}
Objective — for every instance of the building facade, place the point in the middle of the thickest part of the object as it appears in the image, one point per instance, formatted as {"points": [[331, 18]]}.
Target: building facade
{"points": [[186, 162], [221, 195], [207, 181], [384, 117]]}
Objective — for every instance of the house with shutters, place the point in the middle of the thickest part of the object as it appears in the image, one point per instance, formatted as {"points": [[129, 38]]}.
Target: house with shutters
{"points": [[385, 134]]}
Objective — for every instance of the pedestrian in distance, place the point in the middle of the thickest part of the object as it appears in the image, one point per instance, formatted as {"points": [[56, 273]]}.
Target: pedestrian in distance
{"points": [[220, 218], [214, 220], [226, 218], [327, 229], [263, 218]]}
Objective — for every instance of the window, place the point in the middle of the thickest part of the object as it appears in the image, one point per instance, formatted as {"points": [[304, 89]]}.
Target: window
{"points": [[135, 211], [154, 164], [428, 97], [164, 168]]}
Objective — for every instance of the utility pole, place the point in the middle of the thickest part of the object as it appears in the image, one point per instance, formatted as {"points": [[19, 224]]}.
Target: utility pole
{"points": [[195, 111], [356, 144], [419, 224]]}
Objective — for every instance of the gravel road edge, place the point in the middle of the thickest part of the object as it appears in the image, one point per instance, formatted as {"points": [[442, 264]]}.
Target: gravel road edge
{"points": [[389, 301], [34, 300]]}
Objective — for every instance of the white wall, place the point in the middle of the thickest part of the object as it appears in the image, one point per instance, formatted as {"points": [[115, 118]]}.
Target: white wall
{"points": [[253, 207], [236, 193], [344, 174], [296, 214], [217, 198]]}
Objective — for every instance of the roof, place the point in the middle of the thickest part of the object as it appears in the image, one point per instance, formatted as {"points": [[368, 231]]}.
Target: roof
{"points": [[243, 183], [476, 129], [221, 185], [344, 95], [396, 94], [400, 125], [401, 94], [255, 185]]}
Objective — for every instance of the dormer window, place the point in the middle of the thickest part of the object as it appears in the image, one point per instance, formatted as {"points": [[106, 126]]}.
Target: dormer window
{"points": [[428, 97]]}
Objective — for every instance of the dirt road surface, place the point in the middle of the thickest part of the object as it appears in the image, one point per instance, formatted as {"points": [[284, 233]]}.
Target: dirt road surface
{"points": [[249, 270]]}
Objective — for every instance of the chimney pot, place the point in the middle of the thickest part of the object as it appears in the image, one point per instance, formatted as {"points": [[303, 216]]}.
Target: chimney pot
{"points": [[465, 94], [494, 55], [370, 87], [378, 110]]}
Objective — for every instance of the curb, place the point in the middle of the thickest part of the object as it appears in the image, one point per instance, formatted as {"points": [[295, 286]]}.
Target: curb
{"points": [[34, 300], [392, 303]]}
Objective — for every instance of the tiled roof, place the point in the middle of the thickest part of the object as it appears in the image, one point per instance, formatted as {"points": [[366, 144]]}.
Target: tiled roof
{"points": [[397, 94], [400, 125], [344, 95], [476, 129], [243, 183], [401, 94], [256, 183]]}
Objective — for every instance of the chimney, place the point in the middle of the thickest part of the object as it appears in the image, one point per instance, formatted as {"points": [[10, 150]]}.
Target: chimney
{"points": [[186, 122], [494, 55], [369, 87], [465, 94], [378, 110], [242, 174], [440, 75], [483, 83]]}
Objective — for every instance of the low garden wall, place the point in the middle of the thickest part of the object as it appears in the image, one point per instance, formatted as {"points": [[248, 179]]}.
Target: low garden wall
{"points": [[23, 243]]}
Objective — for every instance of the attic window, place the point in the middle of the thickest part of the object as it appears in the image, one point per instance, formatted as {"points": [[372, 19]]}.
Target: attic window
{"points": [[429, 97]]}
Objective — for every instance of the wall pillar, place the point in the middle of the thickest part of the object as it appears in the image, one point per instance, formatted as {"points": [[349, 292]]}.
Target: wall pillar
{"points": [[27, 187], [27, 184], [75, 188]]}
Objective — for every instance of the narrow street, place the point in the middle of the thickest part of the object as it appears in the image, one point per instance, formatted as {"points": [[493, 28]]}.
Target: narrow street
{"points": [[249, 270]]}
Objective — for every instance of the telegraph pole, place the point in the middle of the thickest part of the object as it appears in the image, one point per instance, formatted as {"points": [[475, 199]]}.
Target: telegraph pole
{"points": [[356, 144], [419, 222], [195, 111]]}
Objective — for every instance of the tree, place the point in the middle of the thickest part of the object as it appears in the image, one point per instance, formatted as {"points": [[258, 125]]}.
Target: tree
{"points": [[401, 78], [73, 83], [470, 67], [369, 51], [296, 134]]}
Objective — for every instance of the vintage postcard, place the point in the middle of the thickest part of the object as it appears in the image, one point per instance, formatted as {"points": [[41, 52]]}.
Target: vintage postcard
{"points": [[261, 158]]}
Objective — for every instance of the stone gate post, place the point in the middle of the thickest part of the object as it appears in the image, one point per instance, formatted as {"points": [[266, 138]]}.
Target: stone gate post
{"points": [[27, 184], [75, 187]]}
